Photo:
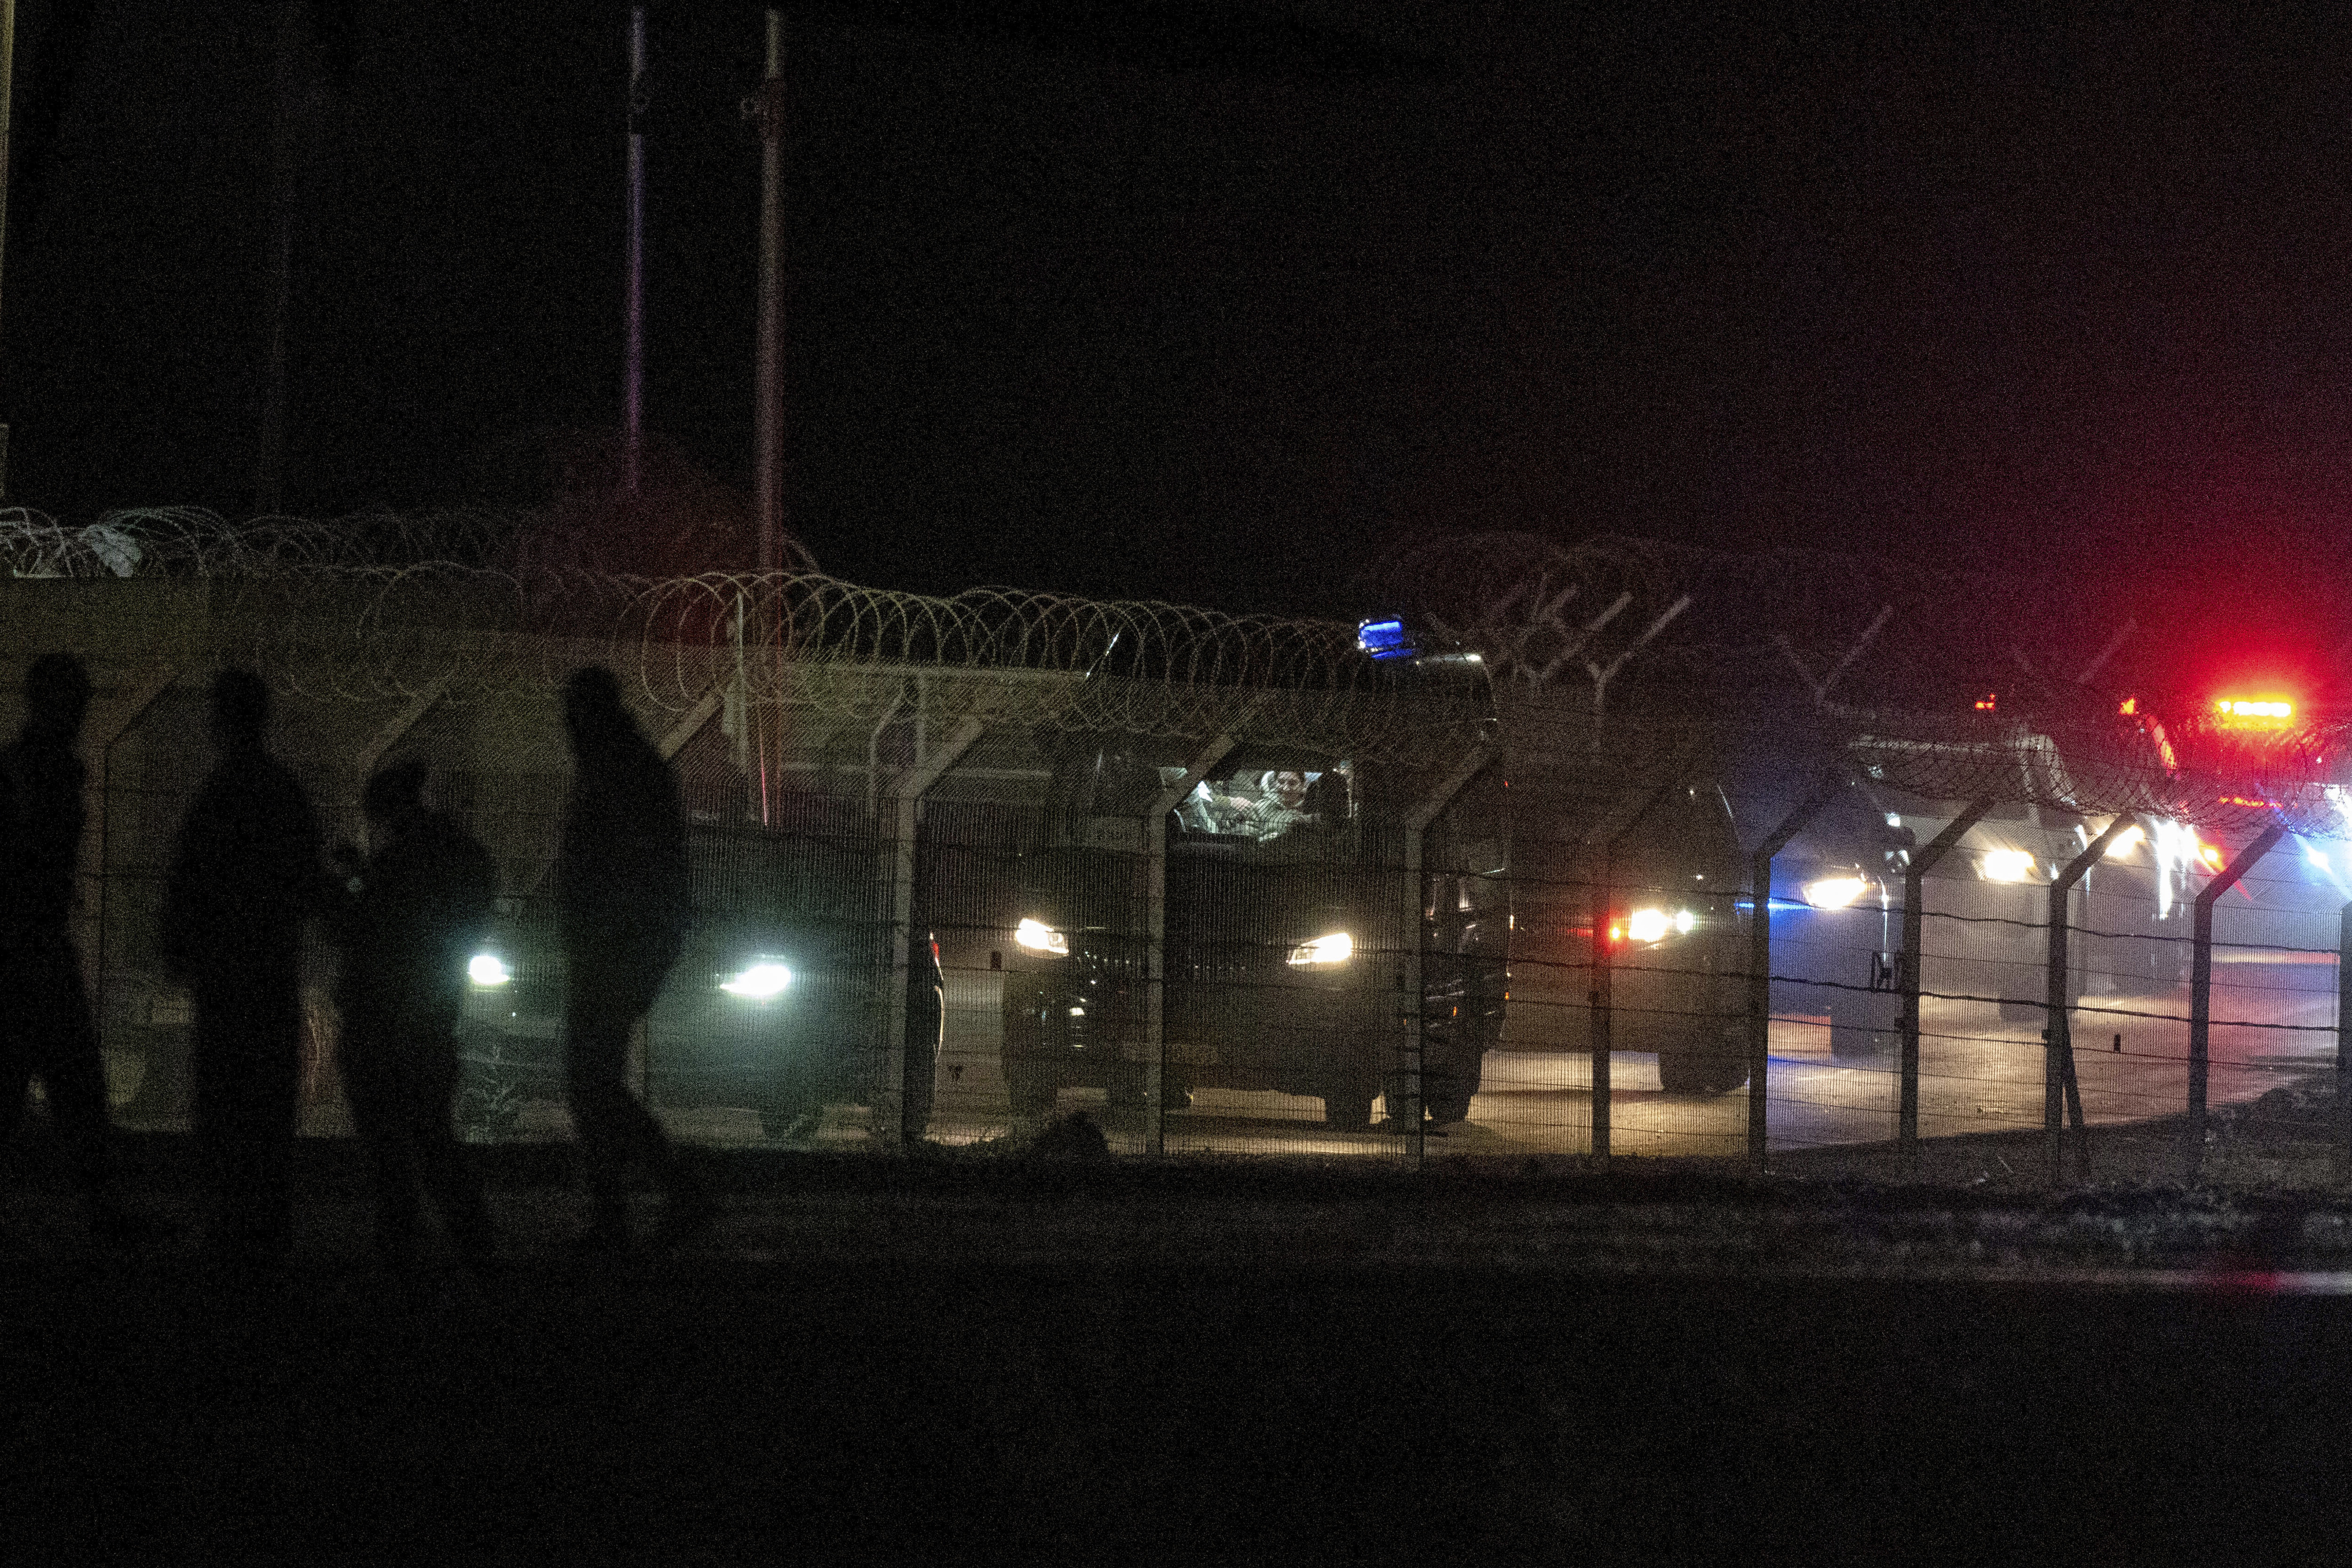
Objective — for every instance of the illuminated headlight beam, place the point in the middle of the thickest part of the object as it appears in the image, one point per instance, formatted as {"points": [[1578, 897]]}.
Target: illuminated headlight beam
{"points": [[1834, 891], [1324, 952], [1040, 937], [759, 981], [488, 970], [2006, 865]]}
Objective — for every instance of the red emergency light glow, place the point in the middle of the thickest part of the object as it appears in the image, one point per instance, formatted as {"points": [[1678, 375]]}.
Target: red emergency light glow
{"points": [[2253, 713], [2130, 706], [1985, 702]]}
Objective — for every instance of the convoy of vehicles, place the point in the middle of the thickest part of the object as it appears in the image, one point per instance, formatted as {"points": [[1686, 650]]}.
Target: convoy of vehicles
{"points": [[1285, 926]]}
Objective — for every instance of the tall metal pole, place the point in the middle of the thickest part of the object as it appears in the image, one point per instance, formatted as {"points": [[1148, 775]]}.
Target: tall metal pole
{"points": [[8, 76], [632, 392], [2200, 994], [767, 456], [292, 81], [1914, 898]]}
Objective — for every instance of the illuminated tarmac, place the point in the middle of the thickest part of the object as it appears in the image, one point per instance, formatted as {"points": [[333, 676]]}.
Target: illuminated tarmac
{"points": [[1979, 1074]]}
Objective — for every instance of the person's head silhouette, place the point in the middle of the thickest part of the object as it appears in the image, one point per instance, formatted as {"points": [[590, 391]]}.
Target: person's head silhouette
{"points": [[57, 698], [593, 714], [240, 709], [394, 791]]}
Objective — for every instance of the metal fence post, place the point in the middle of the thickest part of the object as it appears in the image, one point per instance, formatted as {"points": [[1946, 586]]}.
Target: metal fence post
{"points": [[672, 741], [1914, 899], [1155, 930], [2057, 1040], [1409, 1002], [1604, 896], [1759, 968], [1604, 905], [2200, 994], [890, 1094]]}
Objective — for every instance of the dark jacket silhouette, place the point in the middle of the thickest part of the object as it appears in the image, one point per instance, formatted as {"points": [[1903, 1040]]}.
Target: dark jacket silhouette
{"points": [[46, 1026], [245, 876], [411, 917], [621, 866], [622, 898]]}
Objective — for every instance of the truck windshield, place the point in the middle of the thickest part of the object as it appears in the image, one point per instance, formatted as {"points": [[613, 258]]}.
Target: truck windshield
{"points": [[1286, 812]]}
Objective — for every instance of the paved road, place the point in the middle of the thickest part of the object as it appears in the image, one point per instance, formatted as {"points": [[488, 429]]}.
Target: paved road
{"points": [[1979, 1073]]}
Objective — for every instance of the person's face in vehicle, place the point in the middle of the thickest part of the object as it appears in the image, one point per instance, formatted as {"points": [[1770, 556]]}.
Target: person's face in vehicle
{"points": [[1290, 789]]}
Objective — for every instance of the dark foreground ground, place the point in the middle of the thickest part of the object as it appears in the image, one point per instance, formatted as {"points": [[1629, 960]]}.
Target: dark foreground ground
{"points": [[1079, 1361]]}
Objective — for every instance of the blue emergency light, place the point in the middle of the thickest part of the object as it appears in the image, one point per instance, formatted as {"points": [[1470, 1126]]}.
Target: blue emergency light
{"points": [[1385, 639]]}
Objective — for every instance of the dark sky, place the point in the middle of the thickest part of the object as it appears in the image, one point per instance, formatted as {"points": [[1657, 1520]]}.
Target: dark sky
{"points": [[1215, 304]]}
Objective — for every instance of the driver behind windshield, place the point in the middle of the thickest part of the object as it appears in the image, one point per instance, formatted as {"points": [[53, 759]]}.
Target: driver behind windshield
{"points": [[1275, 809], [1281, 805]]}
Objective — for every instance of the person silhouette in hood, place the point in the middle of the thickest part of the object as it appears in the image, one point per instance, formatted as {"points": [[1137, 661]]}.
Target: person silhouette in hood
{"points": [[245, 876]]}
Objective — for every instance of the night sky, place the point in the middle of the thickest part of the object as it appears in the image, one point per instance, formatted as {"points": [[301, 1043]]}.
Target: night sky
{"points": [[1219, 304]]}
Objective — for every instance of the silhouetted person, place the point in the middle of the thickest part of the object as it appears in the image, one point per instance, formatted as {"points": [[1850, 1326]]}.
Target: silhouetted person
{"points": [[412, 915], [245, 876], [46, 1028], [624, 898]]}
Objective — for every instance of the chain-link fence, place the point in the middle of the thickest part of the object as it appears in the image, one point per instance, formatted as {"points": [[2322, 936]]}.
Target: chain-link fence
{"points": [[934, 900], [964, 867]]}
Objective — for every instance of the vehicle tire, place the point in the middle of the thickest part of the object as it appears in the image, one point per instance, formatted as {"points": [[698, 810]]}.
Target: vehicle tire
{"points": [[1702, 1068], [1126, 1091], [1447, 1108], [1728, 1070], [1860, 1025]]}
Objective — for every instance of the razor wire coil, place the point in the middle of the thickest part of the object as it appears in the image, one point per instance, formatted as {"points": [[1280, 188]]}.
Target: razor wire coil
{"points": [[383, 606]]}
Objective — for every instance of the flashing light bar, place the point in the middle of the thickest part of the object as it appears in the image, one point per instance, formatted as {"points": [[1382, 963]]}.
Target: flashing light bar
{"points": [[1385, 638], [2253, 713]]}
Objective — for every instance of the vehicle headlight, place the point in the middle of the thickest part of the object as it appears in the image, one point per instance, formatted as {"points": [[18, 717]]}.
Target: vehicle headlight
{"points": [[1324, 952], [2006, 865], [1834, 891], [1647, 925], [488, 970], [760, 980], [1040, 937]]}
